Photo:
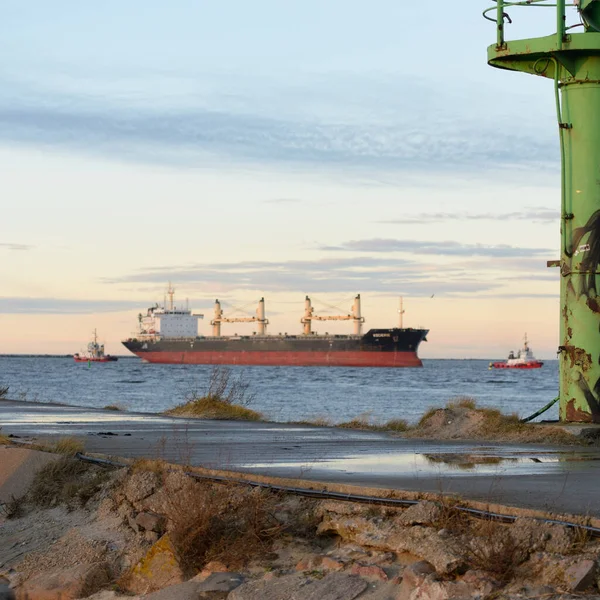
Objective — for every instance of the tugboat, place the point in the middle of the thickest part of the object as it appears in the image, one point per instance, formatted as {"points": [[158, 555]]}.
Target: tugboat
{"points": [[95, 353], [523, 360]]}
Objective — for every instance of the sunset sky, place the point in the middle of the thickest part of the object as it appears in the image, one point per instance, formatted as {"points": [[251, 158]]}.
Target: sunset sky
{"points": [[274, 149]]}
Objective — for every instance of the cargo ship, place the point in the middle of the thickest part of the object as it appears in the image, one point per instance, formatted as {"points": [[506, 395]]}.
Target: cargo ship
{"points": [[168, 334]]}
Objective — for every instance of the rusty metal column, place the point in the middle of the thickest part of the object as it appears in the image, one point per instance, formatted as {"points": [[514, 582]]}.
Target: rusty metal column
{"points": [[572, 60]]}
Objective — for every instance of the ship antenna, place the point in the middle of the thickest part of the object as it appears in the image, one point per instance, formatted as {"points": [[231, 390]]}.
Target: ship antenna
{"points": [[401, 313]]}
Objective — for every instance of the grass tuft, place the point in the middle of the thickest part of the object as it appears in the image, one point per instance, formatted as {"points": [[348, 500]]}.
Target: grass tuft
{"points": [[214, 408], [462, 402], [14, 508], [398, 425], [68, 445], [113, 407], [66, 481]]}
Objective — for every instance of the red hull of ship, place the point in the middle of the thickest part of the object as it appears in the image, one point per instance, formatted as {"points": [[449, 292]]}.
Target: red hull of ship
{"points": [[295, 359], [531, 365]]}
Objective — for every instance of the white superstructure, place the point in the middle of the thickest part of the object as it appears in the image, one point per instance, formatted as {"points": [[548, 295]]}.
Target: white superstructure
{"points": [[169, 321]]}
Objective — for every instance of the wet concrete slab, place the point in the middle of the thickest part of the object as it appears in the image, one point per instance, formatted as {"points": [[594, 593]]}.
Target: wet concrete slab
{"points": [[560, 479]]}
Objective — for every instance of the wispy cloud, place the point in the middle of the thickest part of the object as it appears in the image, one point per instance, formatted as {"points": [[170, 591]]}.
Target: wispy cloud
{"points": [[283, 201], [69, 306], [447, 248], [9, 246], [175, 133], [472, 273], [536, 215]]}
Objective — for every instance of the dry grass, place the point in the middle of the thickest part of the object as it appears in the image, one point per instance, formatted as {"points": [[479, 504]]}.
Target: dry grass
{"points": [[3, 391], [14, 508], [398, 425], [316, 422], [362, 421], [113, 407], [226, 397], [66, 481], [462, 402], [68, 445], [493, 549], [157, 466], [213, 408], [227, 523]]}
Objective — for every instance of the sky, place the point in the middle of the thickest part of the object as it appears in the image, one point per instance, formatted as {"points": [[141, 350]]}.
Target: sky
{"points": [[242, 150]]}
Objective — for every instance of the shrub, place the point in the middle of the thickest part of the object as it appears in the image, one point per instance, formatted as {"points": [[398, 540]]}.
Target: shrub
{"points": [[226, 397], [227, 523]]}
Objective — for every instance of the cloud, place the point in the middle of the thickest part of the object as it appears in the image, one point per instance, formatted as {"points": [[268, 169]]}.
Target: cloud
{"points": [[379, 274], [118, 127], [283, 201], [67, 306], [9, 246], [535, 215], [447, 248]]}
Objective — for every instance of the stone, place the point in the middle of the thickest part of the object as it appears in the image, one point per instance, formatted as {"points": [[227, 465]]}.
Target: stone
{"points": [[331, 564], [66, 584], [157, 569], [538, 535], [132, 522], [179, 591], [140, 485], [369, 571], [151, 536], [422, 542], [309, 562], [581, 575], [423, 513], [221, 582], [5, 592], [334, 586], [150, 522], [214, 566]]}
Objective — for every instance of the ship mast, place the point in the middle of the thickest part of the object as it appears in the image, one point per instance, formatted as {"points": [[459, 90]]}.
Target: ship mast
{"points": [[401, 313], [171, 292]]}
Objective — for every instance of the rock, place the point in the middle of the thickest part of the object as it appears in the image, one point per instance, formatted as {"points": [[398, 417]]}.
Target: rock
{"points": [[335, 586], [5, 592], [110, 595], [132, 522], [339, 508], [140, 485], [179, 591], [423, 542], [157, 569], [151, 536], [581, 575], [150, 522], [332, 564], [66, 584], [221, 582], [214, 566], [309, 562], [423, 513], [370, 571], [538, 535]]}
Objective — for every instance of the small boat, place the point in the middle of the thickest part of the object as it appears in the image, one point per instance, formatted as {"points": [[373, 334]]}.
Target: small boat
{"points": [[95, 353], [523, 360]]}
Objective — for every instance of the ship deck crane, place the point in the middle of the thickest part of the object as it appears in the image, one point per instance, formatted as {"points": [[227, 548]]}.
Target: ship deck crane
{"points": [[259, 318], [309, 316]]}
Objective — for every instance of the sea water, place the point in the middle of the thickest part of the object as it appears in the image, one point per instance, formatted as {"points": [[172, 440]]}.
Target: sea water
{"points": [[333, 394]]}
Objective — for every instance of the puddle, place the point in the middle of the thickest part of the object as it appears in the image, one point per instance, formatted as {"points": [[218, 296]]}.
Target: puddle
{"points": [[433, 464]]}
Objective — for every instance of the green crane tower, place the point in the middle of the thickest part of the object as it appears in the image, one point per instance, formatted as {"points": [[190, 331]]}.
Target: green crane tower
{"points": [[571, 57]]}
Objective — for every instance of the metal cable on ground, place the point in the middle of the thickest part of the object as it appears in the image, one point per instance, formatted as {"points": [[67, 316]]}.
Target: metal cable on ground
{"points": [[541, 411], [358, 498]]}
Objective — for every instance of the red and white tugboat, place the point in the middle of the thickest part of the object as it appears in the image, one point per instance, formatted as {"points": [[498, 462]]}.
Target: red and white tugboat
{"points": [[95, 353], [523, 360]]}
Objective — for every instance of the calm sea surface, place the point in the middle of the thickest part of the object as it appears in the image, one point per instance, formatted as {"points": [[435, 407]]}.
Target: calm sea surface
{"points": [[285, 393]]}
